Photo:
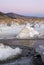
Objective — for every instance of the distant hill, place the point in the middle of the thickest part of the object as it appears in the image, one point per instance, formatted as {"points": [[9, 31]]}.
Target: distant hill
{"points": [[8, 17], [3, 15], [13, 15]]}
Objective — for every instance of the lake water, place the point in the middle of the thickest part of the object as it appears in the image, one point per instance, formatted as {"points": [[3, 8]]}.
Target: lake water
{"points": [[28, 43]]}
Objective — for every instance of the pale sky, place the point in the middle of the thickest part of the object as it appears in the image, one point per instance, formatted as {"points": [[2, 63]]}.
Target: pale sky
{"points": [[23, 7]]}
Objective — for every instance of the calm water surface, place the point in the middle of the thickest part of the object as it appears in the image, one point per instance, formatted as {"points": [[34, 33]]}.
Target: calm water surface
{"points": [[29, 43], [25, 42]]}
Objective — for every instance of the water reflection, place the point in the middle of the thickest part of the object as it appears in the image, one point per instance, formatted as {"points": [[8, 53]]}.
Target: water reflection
{"points": [[28, 43]]}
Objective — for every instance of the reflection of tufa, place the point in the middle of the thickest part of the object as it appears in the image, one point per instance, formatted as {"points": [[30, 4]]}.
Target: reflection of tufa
{"points": [[6, 52]]}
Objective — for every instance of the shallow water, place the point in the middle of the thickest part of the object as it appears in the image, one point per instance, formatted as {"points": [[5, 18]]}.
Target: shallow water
{"points": [[23, 61], [29, 43]]}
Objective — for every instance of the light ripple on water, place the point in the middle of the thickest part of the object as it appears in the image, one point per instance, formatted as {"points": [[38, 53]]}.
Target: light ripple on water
{"points": [[23, 61]]}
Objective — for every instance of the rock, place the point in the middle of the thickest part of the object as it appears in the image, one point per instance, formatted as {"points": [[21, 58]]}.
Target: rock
{"points": [[6, 52]]}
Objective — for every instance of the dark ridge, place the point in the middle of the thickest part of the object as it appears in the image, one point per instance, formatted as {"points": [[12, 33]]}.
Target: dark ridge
{"points": [[14, 15]]}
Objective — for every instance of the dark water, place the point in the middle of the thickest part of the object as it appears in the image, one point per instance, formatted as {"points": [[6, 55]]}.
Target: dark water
{"points": [[28, 43]]}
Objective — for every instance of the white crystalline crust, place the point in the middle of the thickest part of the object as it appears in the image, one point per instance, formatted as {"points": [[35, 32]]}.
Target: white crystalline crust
{"points": [[27, 32], [6, 52]]}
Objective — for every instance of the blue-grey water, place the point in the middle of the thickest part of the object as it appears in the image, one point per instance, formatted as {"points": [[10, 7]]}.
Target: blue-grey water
{"points": [[28, 43]]}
